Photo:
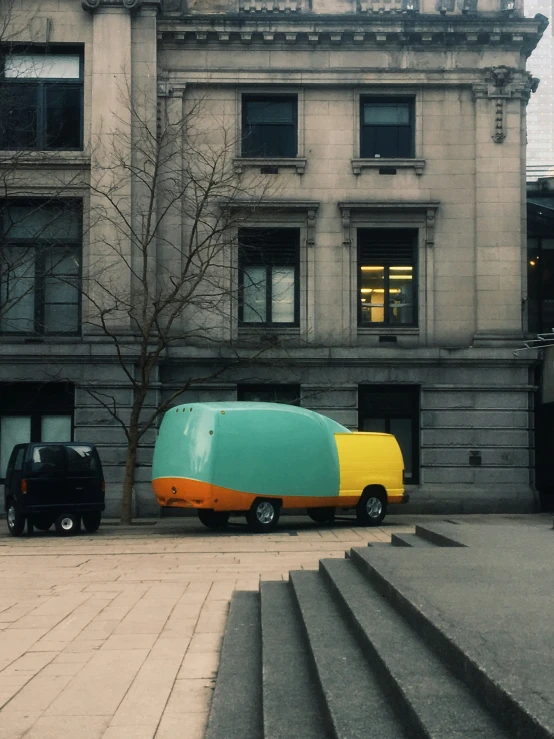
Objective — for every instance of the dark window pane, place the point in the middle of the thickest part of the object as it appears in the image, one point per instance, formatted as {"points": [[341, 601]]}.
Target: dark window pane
{"points": [[18, 116], [63, 116], [289, 394], [270, 111], [268, 261], [269, 127], [81, 460], [386, 130], [47, 461]]}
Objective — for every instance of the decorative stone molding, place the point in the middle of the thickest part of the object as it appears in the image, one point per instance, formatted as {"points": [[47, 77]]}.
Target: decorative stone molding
{"points": [[297, 163], [423, 210], [501, 84], [309, 207], [383, 22], [131, 5], [385, 7], [270, 6], [418, 165]]}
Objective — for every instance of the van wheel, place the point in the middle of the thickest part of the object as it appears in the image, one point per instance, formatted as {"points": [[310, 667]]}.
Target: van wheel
{"points": [[322, 515], [263, 515], [16, 521], [42, 523], [213, 519], [66, 524], [372, 507], [91, 521]]}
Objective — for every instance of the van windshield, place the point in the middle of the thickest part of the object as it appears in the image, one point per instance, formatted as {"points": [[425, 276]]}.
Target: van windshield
{"points": [[47, 461], [82, 460]]}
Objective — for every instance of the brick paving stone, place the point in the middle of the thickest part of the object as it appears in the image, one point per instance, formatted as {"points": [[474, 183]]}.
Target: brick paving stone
{"points": [[120, 633]]}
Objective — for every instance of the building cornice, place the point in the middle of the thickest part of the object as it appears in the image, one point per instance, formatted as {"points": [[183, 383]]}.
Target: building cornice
{"points": [[333, 31]]}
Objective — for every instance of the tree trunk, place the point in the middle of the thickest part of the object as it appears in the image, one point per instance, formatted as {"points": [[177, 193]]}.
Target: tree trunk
{"points": [[130, 466]]}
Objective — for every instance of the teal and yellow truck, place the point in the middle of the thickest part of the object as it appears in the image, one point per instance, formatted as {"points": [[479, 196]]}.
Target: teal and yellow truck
{"points": [[257, 459]]}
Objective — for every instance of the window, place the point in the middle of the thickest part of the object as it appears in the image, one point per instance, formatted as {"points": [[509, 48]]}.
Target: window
{"points": [[269, 276], [40, 267], [81, 460], [387, 277], [393, 409], [34, 412], [41, 100], [289, 394], [387, 128], [269, 126], [47, 461], [540, 280]]}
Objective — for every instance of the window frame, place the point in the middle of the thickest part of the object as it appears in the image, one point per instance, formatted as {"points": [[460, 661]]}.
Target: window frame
{"points": [[243, 388], [37, 401], [268, 323], [368, 98], [42, 247], [414, 415], [283, 97], [41, 84], [386, 323]]}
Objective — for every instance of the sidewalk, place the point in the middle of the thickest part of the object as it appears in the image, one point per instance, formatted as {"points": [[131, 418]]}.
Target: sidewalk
{"points": [[117, 635]]}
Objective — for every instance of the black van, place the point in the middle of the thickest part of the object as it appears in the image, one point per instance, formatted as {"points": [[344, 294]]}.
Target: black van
{"points": [[51, 483]]}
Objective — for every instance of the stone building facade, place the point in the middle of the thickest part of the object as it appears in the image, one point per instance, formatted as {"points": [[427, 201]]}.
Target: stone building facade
{"points": [[391, 139]]}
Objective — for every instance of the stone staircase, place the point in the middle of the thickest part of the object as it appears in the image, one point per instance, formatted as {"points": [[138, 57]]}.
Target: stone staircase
{"points": [[342, 654]]}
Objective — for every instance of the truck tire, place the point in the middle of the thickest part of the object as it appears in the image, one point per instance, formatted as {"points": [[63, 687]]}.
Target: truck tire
{"points": [[213, 519], [91, 521], [67, 524], [263, 515], [42, 522], [372, 507], [16, 521], [322, 515]]}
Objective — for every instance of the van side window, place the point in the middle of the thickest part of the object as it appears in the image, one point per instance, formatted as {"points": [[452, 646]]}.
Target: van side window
{"points": [[18, 463], [47, 461], [81, 460]]}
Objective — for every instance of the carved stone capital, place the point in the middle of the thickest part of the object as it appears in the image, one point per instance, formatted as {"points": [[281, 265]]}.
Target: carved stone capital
{"points": [[130, 5]]}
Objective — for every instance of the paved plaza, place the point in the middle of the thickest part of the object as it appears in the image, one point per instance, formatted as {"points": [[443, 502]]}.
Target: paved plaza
{"points": [[117, 635]]}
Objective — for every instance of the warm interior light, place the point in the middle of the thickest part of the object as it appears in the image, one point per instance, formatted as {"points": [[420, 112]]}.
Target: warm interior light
{"points": [[532, 263], [401, 269], [373, 269], [400, 277]]}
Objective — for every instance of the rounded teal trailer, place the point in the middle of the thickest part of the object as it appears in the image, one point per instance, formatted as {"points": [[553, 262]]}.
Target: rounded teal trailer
{"points": [[256, 458]]}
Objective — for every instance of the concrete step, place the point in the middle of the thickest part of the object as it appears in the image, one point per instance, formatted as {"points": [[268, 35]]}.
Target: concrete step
{"points": [[293, 704], [434, 703], [378, 544], [236, 710], [442, 534], [357, 707], [411, 540], [441, 636]]}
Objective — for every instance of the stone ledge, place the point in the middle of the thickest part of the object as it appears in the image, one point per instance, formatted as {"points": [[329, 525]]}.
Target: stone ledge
{"points": [[298, 163], [418, 165]]}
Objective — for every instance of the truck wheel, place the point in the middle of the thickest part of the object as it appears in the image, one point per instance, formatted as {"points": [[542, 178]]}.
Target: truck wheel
{"points": [[91, 521], [263, 515], [322, 515], [42, 522], [66, 524], [16, 521], [213, 519], [372, 507]]}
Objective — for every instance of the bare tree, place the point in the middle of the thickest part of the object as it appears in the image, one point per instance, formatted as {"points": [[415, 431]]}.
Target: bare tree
{"points": [[165, 205]]}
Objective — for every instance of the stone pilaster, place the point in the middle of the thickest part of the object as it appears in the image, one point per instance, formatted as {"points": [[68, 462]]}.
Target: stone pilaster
{"points": [[498, 171]]}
